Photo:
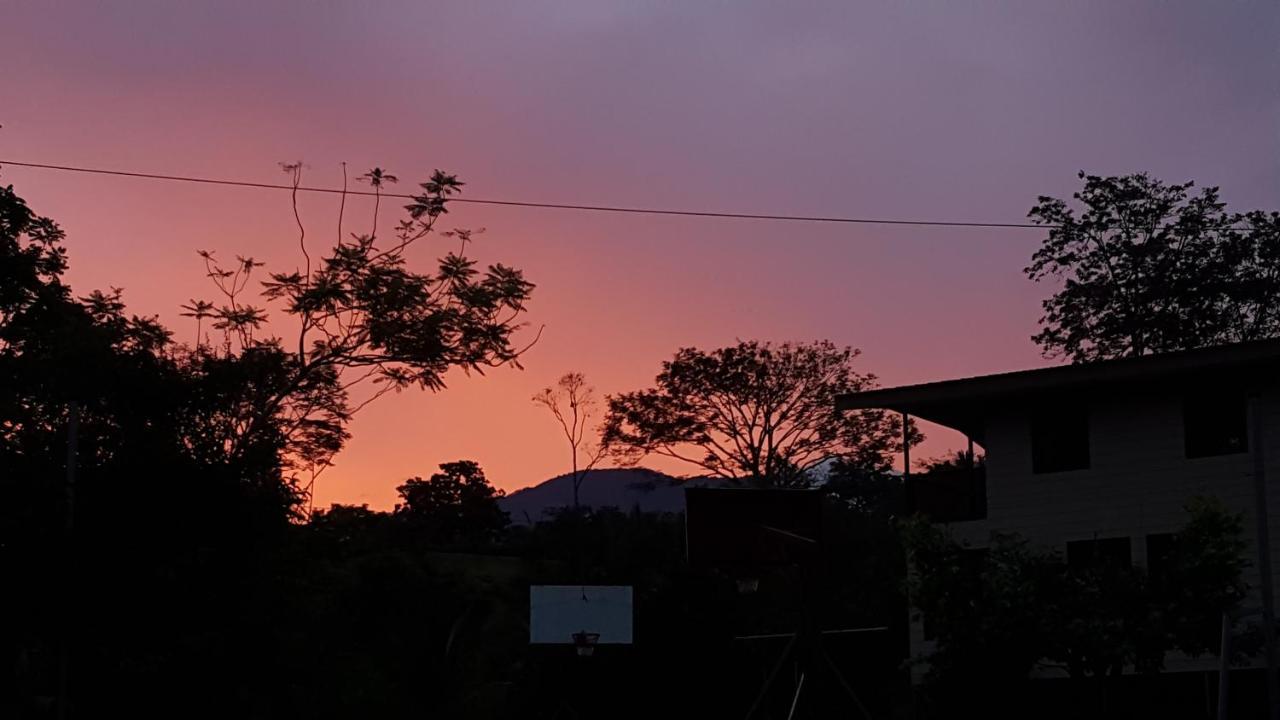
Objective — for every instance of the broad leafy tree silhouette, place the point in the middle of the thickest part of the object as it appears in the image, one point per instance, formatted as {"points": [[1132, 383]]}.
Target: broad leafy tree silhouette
{"points": [[755, 413], [456, 507], [1149, 267]]}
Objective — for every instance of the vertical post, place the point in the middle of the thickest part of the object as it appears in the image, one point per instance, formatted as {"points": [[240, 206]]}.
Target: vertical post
{"points": [[1261, 511], [906, 446], [73, 451], [906, 464], [911, 508], [69, 490], [1224, 667], [973, 482]]}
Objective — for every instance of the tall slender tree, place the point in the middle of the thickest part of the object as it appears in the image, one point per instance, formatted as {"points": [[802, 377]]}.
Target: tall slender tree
{"points": [[573, 404]]}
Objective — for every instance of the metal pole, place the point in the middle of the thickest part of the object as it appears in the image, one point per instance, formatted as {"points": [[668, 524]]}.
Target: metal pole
{"points": [[1224, 667], [974, 509], [908, 493], [844, 685], [906, 447], [73, 450], [773, 675], [64, 652], [795, 699], [1261, 511]]}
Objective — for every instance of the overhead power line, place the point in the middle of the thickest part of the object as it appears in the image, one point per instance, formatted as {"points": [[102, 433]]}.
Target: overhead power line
{"points": [[544, 205]]}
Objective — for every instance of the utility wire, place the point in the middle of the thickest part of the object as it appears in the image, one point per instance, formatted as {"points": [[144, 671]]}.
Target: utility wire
{"points": [[544, 205]]}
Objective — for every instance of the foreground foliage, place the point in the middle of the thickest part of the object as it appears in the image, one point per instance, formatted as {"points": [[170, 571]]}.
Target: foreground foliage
{"points": [[1000, 613]]}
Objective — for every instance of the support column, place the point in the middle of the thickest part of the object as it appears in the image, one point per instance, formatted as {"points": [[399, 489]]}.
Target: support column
{"points": [[1262, 511]]}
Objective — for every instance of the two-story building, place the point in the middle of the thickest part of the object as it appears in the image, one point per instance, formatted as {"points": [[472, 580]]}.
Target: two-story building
{"points": [[1103, 457]]}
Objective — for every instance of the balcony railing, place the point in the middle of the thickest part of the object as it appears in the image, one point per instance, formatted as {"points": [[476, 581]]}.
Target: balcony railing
{"points": [[951, 495]]}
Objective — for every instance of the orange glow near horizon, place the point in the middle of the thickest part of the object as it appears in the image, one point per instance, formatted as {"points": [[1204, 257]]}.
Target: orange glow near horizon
{"points": [[630, 107], [616, 323]]}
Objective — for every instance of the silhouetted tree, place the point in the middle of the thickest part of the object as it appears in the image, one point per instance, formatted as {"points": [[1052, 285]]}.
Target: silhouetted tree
{"points": [[955, 460], [159, 512], [874, 490], [361, 316], [573, 404], [456, 507], [174, 567], [878, 491], [345, 527], [377, 178], [755, 412], [1149, 267]]}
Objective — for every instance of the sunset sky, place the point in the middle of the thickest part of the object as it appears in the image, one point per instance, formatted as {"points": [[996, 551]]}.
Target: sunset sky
{"points": [[928, 110]]}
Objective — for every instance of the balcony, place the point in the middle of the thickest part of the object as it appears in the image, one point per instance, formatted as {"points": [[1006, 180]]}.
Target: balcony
{"points": [[950, 495]]}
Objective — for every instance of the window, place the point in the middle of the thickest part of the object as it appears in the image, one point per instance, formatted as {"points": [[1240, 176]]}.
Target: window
{"points": [[1097, 553], [1215, 423], [1059, 439]]}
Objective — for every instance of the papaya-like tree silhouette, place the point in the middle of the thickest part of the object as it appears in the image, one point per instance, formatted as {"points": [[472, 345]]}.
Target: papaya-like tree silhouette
{"points": [[363, 324]]}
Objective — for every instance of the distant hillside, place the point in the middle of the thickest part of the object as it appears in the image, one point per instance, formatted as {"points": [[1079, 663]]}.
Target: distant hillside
{"points": [[624, 488]]}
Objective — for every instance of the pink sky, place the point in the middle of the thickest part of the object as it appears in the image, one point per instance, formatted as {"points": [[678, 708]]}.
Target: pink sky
{"points": [[962, 111]]}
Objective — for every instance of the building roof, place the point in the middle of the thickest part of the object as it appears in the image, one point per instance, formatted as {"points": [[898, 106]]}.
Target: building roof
{"points": [[961, 403]]}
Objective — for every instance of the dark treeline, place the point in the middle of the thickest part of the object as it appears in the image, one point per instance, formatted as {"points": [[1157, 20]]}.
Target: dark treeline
{"points": [[448, 631]]}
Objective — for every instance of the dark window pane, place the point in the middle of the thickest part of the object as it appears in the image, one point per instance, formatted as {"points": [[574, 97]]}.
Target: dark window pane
{"points": [[1215, 423], [1059, 438], [1102, 552]]}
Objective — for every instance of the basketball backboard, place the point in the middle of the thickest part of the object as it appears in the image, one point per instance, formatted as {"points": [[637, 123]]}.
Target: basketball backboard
{"points": [[559, 612]]}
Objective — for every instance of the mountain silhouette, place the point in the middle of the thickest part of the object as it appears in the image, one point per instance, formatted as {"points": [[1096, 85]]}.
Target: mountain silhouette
{"points": [[626, 489]]}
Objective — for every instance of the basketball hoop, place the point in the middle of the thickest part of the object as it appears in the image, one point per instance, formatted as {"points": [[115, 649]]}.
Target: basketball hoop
{"points": [[585, 642], [580, 615]]}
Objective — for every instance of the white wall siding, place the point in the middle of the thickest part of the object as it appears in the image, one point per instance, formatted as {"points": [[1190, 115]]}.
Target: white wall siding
{"points": [[1138, 483]]}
